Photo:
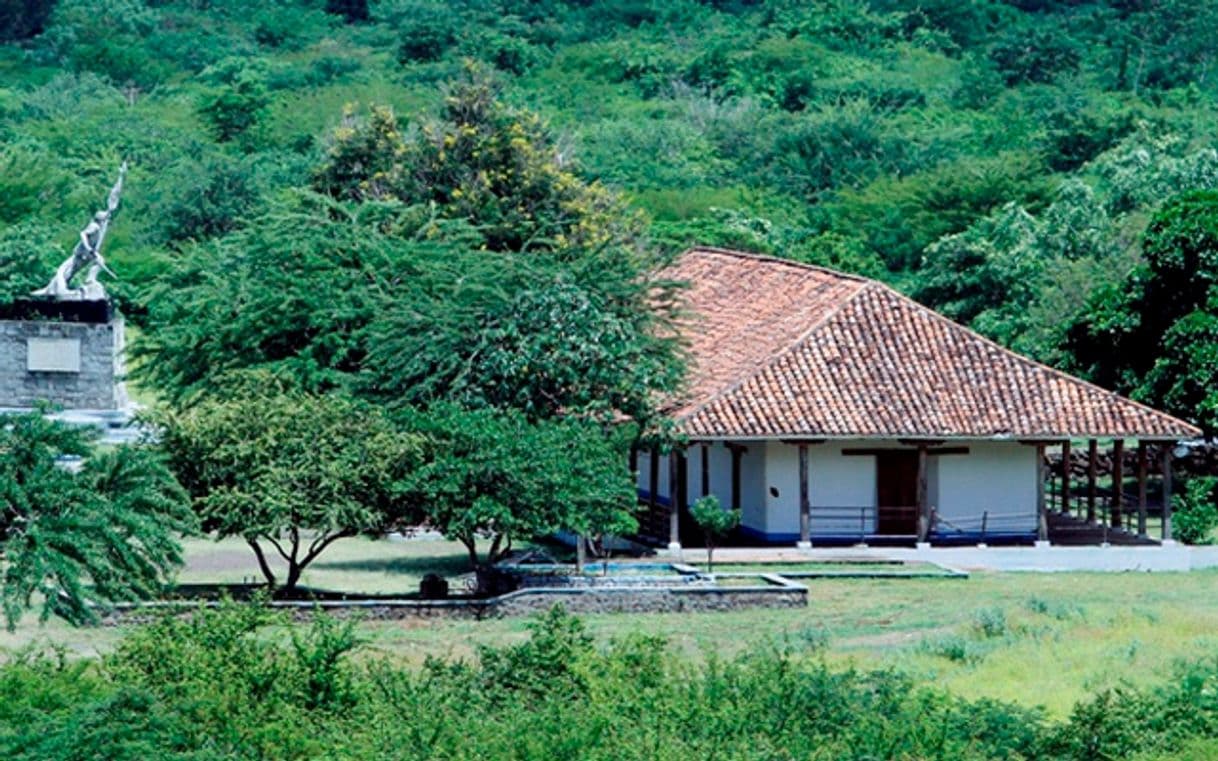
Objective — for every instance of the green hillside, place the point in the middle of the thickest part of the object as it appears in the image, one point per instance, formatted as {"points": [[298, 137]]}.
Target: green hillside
{"points": [[999, 161]]}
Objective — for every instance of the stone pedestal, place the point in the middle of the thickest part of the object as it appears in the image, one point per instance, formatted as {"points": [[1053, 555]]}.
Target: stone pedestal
{"points": [[69, 354]]}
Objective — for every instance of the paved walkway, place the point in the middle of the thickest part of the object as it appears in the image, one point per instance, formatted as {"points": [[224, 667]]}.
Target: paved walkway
{"points": [[1043, 558]]}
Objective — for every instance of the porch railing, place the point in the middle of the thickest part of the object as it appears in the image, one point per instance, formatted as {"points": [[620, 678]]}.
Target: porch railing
{"points": [[863, 522], [983, 526], [1098, 515]]}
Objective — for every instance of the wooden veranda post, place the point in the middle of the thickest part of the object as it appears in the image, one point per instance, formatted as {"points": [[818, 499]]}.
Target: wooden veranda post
{"points": [[705, 469], [1042, 520], [1093, 456], [676, 495], [924, 517], [1142, 468], [653, 477], [1167, 455], [1118, 480], [737, 452], [1066, 476], [805, 506]]}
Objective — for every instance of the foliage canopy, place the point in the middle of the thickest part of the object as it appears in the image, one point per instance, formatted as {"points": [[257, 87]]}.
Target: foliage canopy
{"points": [[288, 470], [74, 541]]}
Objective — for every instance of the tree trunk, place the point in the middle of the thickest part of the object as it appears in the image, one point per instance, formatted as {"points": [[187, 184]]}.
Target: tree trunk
{"points": [[267, 573], [471, 547], [293, 578]]}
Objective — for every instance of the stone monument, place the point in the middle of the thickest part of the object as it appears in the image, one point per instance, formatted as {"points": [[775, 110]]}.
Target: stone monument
{"points": [[64, 344]]}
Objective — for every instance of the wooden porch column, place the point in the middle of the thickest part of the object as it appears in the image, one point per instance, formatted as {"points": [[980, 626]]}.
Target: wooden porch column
{"points": [[675, 496], [1066, 477], [924, 516], [1142, 468], [1167, 455], [1118, 479], [1042, 520], [737, 453], [653, 477], [805, 506], [1093, 456], [705, 468]]}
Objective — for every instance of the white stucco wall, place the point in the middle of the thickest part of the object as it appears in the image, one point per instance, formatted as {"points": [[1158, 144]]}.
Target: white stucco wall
{"points": [[753, 512], [998, 477], [994, 477], [835, 482], [644, 479]]}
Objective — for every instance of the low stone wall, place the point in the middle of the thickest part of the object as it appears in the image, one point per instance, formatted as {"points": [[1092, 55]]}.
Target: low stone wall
{"points": [[770, 592]]}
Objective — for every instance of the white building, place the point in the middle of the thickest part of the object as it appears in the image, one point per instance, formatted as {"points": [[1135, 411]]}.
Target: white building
{"points": [[830, 408]]}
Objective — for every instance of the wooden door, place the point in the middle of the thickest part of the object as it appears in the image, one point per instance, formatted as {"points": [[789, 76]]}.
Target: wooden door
{"points": [[896, 475]]}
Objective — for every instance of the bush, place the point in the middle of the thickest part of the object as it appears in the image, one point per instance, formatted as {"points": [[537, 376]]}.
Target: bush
{"points": [[22, 268], [426, 39], [22, 19], [990, 622], [237, 683], [1196, 515], [955, 648]]}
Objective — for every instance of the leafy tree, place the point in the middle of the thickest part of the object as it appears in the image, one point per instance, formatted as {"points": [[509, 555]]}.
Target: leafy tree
{"points": [[292, 293], [21, 263], [287, 471], [205, 199], [493, 473], [238, 104], [1195, 517], [22, 19], [715, 523], [109, 37], [552, 310], [1153, 336], [82, 539], [1034, 54], [351, 10], [513, 336], [427, 37], [486, 163]]}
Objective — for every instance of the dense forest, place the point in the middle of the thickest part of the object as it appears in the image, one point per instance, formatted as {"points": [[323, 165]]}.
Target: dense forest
{"points": [[1042, 170]]}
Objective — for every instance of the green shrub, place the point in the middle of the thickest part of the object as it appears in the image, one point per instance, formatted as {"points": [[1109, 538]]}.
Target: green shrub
{"points": [[1196, 511], [237, 682], [1062, 611], [990, 622], [955, 648]]}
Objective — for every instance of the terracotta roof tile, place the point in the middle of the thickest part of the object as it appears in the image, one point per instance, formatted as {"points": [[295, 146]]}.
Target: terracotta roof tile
{"points": [[783, 349]]}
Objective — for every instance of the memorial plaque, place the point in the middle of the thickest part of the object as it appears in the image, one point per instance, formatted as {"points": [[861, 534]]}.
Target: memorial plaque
{"points": [[53, 355]]}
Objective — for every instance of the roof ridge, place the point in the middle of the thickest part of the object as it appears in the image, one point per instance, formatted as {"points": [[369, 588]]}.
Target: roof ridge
{"points": [[1061, 374], [800, 340], [779, 260]]}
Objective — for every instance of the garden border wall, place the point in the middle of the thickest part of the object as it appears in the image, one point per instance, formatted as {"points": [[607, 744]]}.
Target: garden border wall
{"points": [[773, 592]]}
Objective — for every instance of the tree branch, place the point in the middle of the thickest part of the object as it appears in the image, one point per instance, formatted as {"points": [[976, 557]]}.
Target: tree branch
{"points": [[265, 566]]}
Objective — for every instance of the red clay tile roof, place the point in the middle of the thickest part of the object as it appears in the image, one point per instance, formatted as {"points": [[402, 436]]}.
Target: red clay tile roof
{"points": [[781, 349]]}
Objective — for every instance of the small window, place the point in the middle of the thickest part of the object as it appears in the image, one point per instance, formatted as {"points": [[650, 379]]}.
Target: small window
{"points": [[773, 491]]}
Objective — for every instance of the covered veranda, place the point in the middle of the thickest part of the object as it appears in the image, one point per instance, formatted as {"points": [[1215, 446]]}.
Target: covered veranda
{"points": [[1074, 498]]}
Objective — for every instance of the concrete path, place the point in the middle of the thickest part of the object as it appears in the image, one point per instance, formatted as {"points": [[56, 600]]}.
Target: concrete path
{"points": [[1046, 558]]}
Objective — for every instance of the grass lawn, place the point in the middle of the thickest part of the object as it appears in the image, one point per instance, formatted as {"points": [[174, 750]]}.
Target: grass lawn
{"points": [[348, 565], [1036, 639]]}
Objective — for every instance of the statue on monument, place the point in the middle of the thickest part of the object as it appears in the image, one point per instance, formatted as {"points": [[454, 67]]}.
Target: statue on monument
{"points": [[87, 253]]}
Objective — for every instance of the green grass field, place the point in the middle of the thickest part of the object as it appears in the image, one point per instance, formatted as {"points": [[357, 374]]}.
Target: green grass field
{"points": [[1036, 639]]}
